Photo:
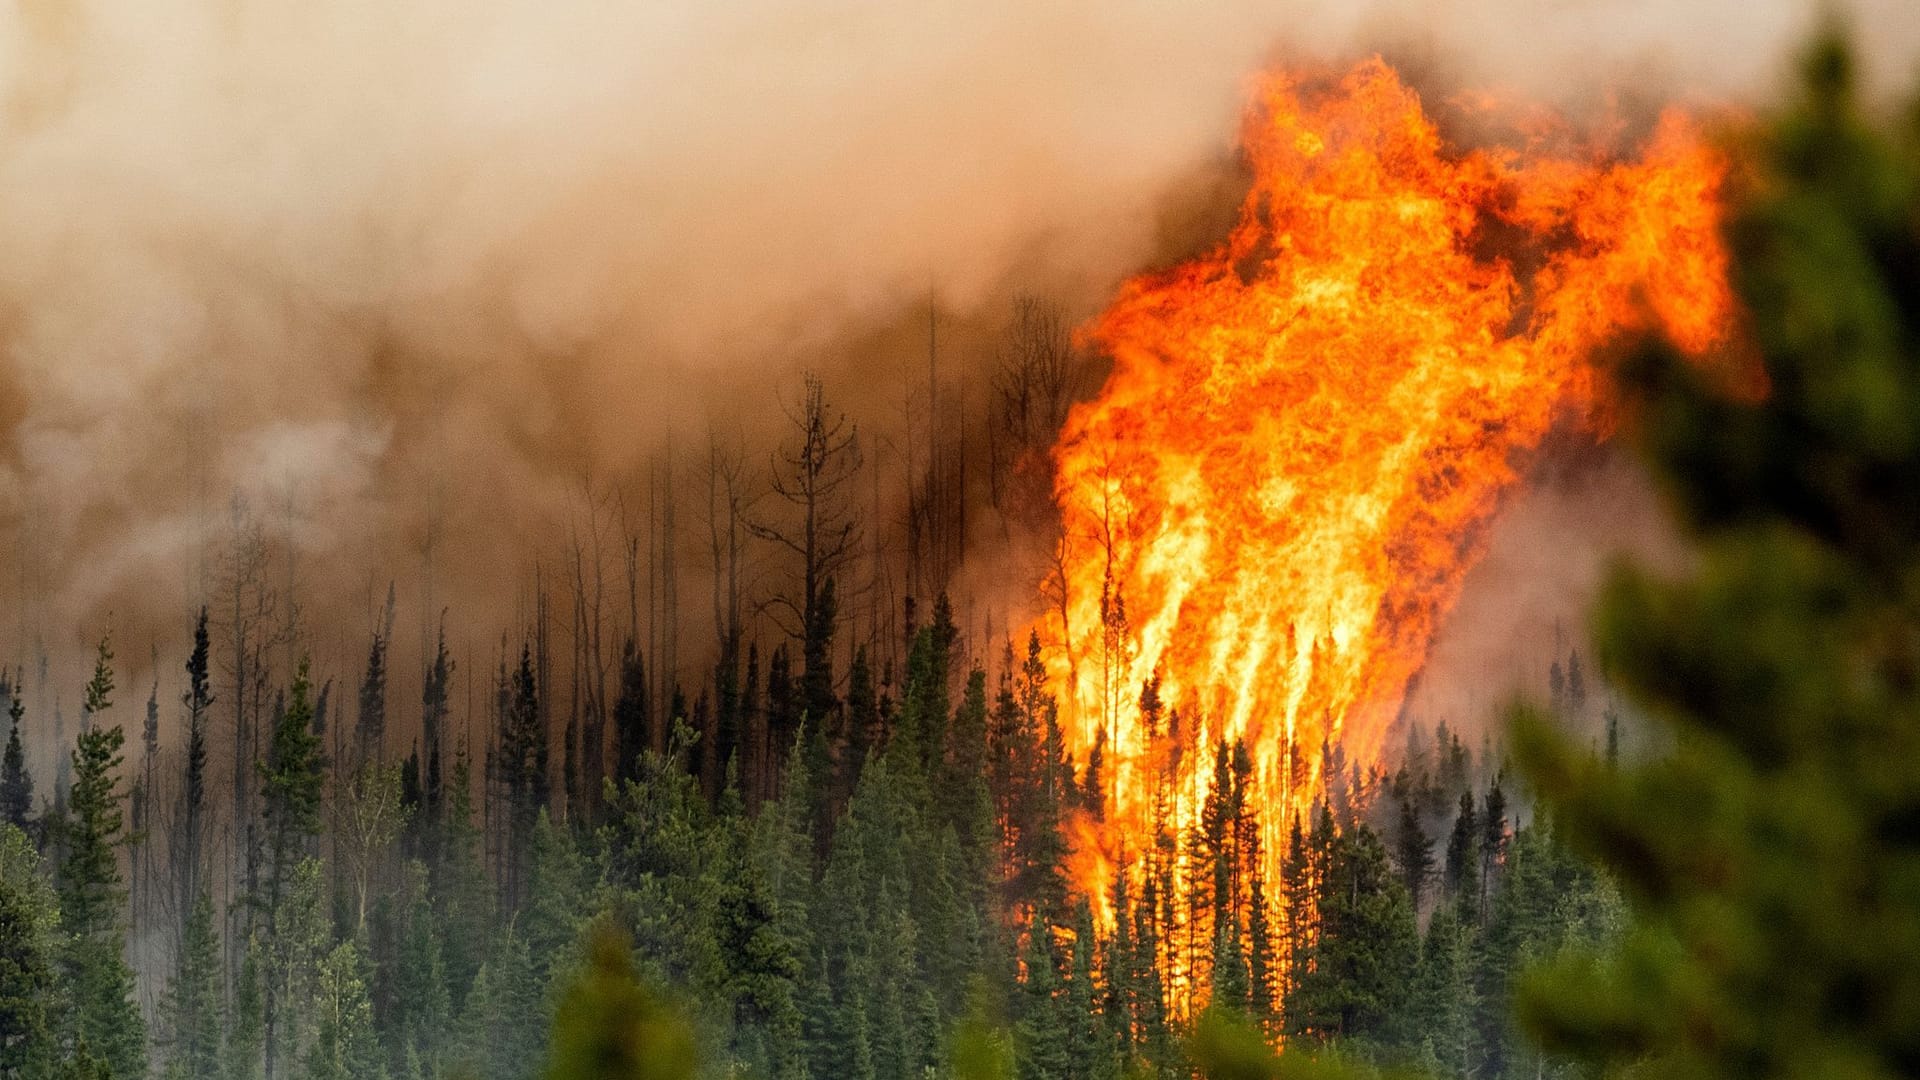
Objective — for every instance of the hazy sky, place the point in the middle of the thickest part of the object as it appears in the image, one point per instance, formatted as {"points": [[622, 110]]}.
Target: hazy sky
{"points": [[373, 251]]}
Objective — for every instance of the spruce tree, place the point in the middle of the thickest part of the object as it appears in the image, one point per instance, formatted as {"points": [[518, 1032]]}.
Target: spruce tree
{"points": [[1413, 851], [242, 1056], [632, 726], [190, 838], [291, 784], [1043, 1039], [191, 1007], [28, 924], [16, 783], [99, 983], [1462, 867]]}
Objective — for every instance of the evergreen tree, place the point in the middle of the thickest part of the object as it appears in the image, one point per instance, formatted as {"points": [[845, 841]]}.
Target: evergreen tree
{"points": [[16, 783], [416, 1024], [1461, 870], [1043, 1039], [434, 707], [190, 836], [191, 1007], [29, 921], [1362, 958], [1770, 849], [462, 895], [242, 1056], [98, 981], [632, 727], [522, 766], [1493, 841], [504, 1030], [291, 784], [343, 1045], [1413, 852]]}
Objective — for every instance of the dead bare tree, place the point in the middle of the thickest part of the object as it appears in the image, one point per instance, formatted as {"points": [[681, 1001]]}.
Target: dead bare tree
{"points": [[815, 476], [587, 567], [1034, 383], [247, 606], [729, 502]]}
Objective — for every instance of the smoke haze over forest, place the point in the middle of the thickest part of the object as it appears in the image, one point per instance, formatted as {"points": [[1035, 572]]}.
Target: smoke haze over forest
{"points": [[388, 269]]}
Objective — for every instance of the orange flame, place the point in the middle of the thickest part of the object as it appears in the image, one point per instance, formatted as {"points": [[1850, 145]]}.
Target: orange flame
{"points": [[1280, 488]]}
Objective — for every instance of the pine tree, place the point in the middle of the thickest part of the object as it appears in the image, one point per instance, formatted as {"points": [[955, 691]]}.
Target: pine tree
{"points": [[1261, 963], [192, 1004], [291, 784], [29, 919], [370, 729], [461, 890], [242, 1056], [522, 766], [189, 840], [1366, 946], [1462, 868], [1413, 851], [632, 727], [417, 1023], [1493, 842], [434, 691], [99, 983], [1782, 657], [504, 1030], [16, 783], [1443, 998], [1043, 1035]]}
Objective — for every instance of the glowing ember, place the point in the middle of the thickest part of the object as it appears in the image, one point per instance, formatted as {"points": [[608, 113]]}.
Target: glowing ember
{"points": [[1277, 494]]}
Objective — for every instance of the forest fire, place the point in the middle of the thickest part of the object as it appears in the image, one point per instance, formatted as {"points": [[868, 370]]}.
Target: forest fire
{"points": [[1277, 494]]}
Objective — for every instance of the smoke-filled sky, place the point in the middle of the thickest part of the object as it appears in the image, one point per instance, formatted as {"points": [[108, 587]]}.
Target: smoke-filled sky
{"points": [[393, 255]]}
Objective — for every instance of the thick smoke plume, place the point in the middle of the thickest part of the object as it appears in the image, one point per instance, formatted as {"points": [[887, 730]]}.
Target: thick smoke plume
{"points": [[401, 272]]}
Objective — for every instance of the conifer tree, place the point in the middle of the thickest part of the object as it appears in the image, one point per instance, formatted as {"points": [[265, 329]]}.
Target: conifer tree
{"points": [[632, 726], [1043, 1038], [343, 1045], [1413, 852], [16, 783], [1461, 871], [192, 1004], [29, 925], [242, 1055], [1783, 658], [291, 785], [461, 892], [188, 842], [92, 964]]}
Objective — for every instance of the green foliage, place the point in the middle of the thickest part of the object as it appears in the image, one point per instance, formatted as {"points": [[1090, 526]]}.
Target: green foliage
{"points": [[16, 783], [609, 1027], [1770, 853], [343, 1046], [99, 985], [502, 1036], [241, 1057], [192, 1007], [26, 977]]}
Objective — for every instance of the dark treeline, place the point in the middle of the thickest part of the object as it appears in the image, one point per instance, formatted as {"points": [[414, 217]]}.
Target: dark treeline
{"points": [[838, 830], [826, 899], [867, 874]]}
